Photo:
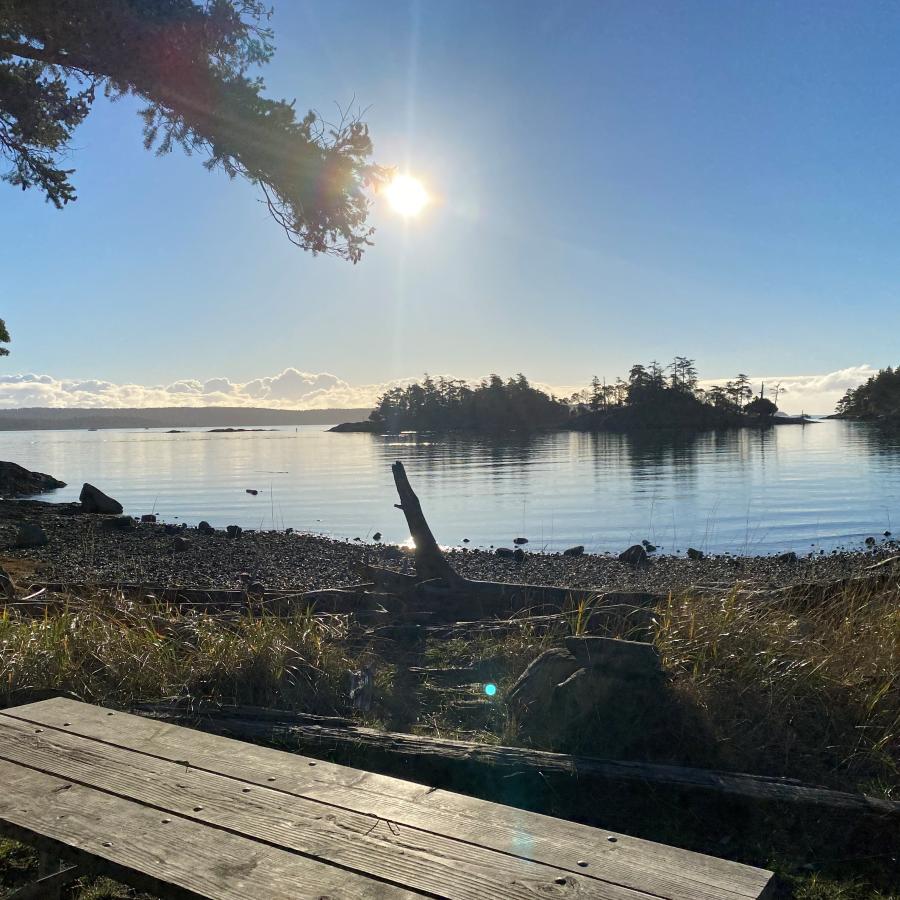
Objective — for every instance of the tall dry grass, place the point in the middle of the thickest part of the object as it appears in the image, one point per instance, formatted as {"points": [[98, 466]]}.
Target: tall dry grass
{"points": [[108, 650]]}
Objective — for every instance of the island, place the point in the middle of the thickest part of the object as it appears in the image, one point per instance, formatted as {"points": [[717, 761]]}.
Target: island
{"points": [[652, 397]]}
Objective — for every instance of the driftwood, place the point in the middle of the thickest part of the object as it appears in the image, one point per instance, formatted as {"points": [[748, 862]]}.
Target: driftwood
{"points": [[522, 776]]}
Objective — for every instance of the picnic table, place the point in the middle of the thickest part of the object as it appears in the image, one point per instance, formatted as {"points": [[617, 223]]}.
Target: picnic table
{"points": [[182, 813]]}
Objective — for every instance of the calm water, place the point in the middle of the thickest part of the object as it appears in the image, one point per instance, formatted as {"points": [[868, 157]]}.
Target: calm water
{"points": [[827, 484]]}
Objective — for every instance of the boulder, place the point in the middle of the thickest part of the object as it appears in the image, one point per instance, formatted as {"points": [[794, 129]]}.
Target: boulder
{"points": [[181, 544], [375, 537], [205, 528], [17, 481], [574, 551], [148, 518], [536, 684], [519, 555], [505, 552], [695, 554], [627, 658], [789, 557], [93, 500], [234, 531], [635, 556], [30, 534]]}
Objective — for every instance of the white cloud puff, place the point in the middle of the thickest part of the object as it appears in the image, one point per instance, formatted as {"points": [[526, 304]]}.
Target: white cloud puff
{"points": [[296, 389]]}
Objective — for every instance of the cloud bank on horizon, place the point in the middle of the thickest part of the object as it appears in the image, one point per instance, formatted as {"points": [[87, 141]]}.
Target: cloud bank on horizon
{"points": [[295, 389]]}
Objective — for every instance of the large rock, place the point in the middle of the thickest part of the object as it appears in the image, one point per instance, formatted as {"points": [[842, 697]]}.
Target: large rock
{"points": [[605, 697], [17, 481], [635, 556], [93, 500], [627, 658], [30, 535]]}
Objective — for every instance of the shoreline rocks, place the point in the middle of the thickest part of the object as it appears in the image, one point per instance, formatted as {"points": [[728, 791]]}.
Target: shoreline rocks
{"points": [[17, 481], [93, 500]]}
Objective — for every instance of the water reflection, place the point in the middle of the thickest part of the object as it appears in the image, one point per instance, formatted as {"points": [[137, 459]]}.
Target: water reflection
{"points": [[745, 491]]}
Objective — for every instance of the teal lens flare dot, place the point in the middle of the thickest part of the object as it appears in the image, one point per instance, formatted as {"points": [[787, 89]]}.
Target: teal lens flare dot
{"points": [[490, 689]]}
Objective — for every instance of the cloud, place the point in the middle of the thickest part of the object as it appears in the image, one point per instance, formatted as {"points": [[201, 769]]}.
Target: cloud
{"points": [[295, 389]]}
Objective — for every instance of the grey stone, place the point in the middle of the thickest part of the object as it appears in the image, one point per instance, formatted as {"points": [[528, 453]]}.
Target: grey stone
{"points": [[695, 554], [614, 655], [505, 552], [17, 481], [205, 528], [789, 557], [181, 544], [635, 556], [536, 684], [234, 531], [519, 555], [574, 551], [31, 534], [93, 500], [119, 523]]}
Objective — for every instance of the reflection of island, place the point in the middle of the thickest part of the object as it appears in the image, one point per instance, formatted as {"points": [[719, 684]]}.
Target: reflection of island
{"points": [[235, 430], [652, 399]]}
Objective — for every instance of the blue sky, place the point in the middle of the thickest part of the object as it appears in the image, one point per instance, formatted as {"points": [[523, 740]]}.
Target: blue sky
{"points": [[618, 181]]}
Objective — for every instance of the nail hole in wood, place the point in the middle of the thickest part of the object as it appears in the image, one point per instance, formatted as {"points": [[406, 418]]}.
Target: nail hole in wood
{"points": [[583, 863], [107, 843], [559, 880], [312, 764], [245, 790], [270, 779], [38, 730], [166, 821], [612, 840], [110, 714], [66, 724], [197, 808]]}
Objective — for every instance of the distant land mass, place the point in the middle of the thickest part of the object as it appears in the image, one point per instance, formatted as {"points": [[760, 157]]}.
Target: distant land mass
{"points": [[35, 418]]}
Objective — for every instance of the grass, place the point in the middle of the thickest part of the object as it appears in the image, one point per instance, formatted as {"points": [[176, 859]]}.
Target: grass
{"points": [[784, 686]]}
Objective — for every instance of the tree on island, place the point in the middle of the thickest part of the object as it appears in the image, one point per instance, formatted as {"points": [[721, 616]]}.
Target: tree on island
{"points": [[4, 338], [189, 64], [877, 397]]}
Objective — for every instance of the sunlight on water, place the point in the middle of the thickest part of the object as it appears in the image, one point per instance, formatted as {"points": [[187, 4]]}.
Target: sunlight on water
{"points": [[790, 487]]}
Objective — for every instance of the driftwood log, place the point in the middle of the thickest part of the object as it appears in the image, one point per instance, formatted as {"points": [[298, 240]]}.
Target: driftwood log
{"points": [[625, 795]]}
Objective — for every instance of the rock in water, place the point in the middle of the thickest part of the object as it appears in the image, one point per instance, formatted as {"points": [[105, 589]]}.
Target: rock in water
{"points": [[520, 540], [635, 555], [16, 481], [695, 554], [30, 535], [93, 500], [574, 551]]}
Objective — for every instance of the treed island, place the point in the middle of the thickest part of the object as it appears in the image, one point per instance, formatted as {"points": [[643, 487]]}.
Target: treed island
{"points": [[652, 396]]}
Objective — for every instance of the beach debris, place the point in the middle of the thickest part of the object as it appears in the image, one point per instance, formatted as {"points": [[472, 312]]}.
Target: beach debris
{"points": [[234, 531], [635, 556], [148, 518], [695, 554], [93, 500], [574, 551], [31, 534]]}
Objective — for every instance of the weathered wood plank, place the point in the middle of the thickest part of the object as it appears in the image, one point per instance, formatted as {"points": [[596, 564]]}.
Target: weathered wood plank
{"points": [[628, 861], [371, 845], [165, 854]]}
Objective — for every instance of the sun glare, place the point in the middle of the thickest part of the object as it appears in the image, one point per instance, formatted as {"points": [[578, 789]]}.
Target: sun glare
{"points": [[407, 195]]}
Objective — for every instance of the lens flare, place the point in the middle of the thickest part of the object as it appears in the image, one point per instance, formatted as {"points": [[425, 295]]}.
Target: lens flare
{"points": [[490, 689]]}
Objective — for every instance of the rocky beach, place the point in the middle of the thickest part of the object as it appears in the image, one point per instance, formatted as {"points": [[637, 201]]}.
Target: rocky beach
{"points": [[91, 548]]}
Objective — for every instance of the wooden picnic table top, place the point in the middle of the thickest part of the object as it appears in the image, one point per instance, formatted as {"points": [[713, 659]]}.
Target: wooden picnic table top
{"points": [[183, 813]]}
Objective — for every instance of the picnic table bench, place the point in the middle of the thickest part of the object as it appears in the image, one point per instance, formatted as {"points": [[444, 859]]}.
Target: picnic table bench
{"points": [[183, 813]]}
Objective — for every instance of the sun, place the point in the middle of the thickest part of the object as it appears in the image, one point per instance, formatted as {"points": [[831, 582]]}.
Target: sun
{"points": [[407, 195]]}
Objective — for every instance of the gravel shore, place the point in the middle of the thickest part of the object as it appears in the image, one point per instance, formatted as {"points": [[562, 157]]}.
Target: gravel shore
{"points": [[83, 548]]}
